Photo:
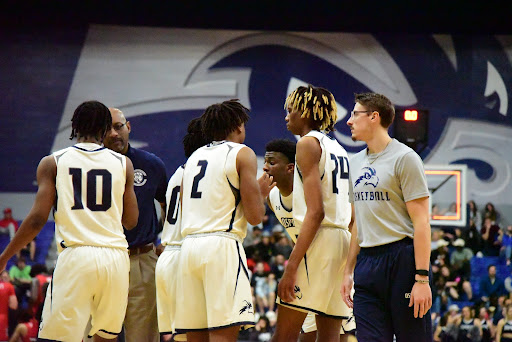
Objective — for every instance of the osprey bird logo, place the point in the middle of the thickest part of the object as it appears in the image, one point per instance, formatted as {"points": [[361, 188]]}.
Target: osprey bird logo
{"points": [[297, 292], [369, 177], [247, 307]]}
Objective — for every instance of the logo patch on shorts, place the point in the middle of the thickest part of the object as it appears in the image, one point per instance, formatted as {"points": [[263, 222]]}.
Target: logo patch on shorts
{"points": [[297, 292], [246, 307], [408, 295], [139, 177]]}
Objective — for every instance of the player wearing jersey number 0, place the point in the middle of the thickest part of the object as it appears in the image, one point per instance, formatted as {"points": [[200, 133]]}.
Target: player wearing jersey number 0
{"points": [[168, 262]]}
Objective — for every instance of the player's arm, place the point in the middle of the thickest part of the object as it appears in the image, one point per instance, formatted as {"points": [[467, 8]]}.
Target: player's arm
{"points": [[353, 251], [252, 200], [20, 332], [130, 208], [421, 294], [38, 215], [308, 157]]}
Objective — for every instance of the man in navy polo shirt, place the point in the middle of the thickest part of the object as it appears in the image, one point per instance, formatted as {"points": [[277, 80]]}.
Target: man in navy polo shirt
{"points": [[150, 182]]}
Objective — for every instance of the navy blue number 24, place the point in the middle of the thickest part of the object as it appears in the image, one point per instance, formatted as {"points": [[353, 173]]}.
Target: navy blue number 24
{"points": [[197, 194], [106, 189], [339, 166]]}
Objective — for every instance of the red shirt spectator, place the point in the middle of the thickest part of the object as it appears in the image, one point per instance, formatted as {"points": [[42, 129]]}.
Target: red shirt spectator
{"points": [[4, 223], [7, 300], [27, 329]]}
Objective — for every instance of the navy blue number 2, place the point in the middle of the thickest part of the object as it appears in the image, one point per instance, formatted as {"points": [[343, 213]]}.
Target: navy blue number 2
{"points": [[106, 189], [339, 165], [197, 178], [174, 203]]}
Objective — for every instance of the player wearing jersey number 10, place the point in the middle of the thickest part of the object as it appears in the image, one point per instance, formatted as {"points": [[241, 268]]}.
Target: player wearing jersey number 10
{"points": [[95, 200]]}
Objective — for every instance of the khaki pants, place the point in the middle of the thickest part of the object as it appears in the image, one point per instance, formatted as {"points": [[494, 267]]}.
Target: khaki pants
{"points": [[140, 323]]}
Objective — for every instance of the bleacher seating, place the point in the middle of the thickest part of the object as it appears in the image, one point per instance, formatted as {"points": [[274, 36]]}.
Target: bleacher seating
{"points": [[479, 270], [43, 243]]}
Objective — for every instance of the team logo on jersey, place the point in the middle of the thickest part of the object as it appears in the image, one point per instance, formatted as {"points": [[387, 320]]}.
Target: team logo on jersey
{"points": [[287, 222], [140, 177], [369, 177], [246, 307], [297, 292]]}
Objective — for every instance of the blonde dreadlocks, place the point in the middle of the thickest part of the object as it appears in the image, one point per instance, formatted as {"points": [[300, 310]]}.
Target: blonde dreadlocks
{"points": [[316, 103]]}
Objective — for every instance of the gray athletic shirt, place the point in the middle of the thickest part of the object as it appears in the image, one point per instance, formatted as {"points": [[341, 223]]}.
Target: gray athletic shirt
{"points": [[380, 184]]}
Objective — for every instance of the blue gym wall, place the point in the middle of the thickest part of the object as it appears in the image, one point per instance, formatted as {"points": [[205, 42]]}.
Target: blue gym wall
{"points": [[163, 77]]}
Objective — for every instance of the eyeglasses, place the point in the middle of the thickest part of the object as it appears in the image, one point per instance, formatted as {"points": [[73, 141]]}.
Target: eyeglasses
{"points": [[119, 126], [355, 112]]}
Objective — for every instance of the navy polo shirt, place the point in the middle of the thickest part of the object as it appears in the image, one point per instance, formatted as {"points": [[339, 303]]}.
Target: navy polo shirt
{"points": [[150, 183]]}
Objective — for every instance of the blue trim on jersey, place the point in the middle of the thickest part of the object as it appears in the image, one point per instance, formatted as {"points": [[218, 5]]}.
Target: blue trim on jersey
{"points": [[311, 310], [238, 198], [83, 149], [306, 264], [183, 331], [216, 143], [282, 204], [58, 157], [298, 172], [109, 332], [240, 266]]}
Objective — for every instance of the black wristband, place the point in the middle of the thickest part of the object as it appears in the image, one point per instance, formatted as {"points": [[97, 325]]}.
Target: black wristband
{"points": [[422, 272]]}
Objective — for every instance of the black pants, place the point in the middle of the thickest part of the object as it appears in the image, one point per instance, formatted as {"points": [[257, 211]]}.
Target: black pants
{"points": [[384, 277]]}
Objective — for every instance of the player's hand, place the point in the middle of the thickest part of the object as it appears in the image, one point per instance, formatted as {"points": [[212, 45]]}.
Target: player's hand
{"points": [[266, 183], [421, 298], [286, 287], [346, 290], [159, 249]]}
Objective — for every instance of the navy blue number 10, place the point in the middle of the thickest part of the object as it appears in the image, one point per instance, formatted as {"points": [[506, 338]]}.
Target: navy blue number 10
{"points": [[106, 189]]}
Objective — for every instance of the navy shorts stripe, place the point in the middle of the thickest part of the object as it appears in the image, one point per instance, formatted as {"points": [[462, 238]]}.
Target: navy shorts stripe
{"points": [[183, 331], [311, 310]]}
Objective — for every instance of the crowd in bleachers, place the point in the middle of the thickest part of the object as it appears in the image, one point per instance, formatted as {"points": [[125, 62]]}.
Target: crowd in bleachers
{"points": [[23, 284], [472, 279]]}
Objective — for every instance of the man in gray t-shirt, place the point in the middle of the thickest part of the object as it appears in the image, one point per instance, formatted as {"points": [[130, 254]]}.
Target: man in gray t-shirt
{"points": [[391, 233]]}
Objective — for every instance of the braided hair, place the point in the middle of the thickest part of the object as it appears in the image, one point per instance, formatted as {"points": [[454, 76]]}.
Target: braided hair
{"points": [[220, 119], [91, 119], [194, 138], [315, 103]]}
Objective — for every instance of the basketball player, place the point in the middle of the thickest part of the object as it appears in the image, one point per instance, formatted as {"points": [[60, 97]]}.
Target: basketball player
{"points": [[321, 214], [504, 327], [95, 200], [280, 164], [168, 262], [389, 194], [220, 195]]}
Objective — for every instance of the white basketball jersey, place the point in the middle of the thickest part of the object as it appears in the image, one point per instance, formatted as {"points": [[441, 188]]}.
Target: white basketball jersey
{"points": [[90, 186], [171, 234], [211, 195], [333, 169], [282, 207]]}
